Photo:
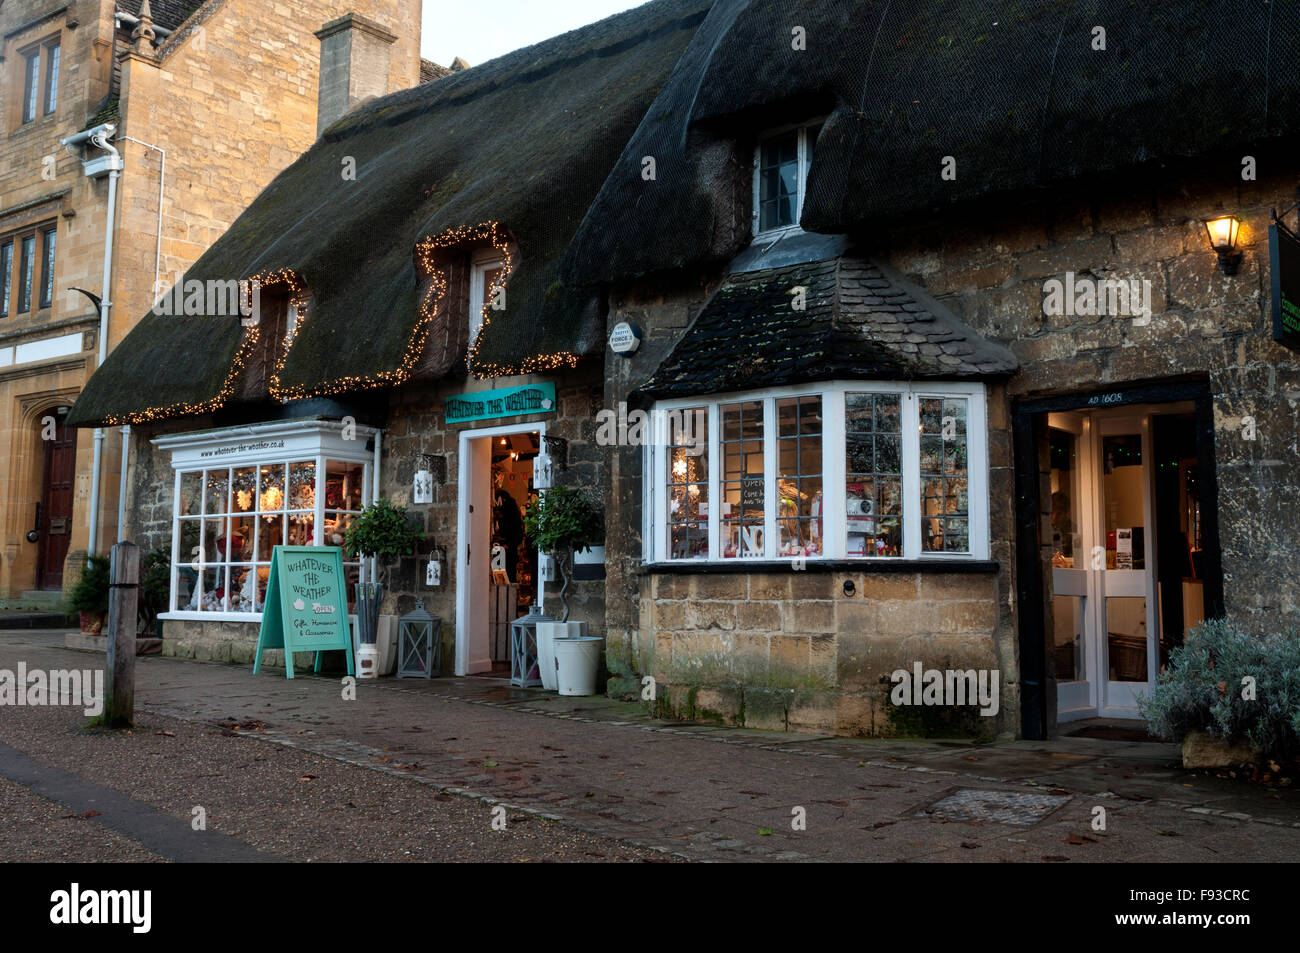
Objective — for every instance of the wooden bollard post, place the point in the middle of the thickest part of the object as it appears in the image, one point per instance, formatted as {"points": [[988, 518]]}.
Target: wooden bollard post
{"points": [[123, 594]]}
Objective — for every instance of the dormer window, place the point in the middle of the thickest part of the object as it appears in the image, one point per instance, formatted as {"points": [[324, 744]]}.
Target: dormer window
{"points": [[780, 172], [485, 275]]}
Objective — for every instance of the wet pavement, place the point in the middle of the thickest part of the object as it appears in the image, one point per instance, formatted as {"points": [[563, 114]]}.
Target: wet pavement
{"points": [[707, 792]]}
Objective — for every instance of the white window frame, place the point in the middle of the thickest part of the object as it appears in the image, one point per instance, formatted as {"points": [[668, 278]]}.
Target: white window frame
{"points": [[805, 162], [835, 534], [482, 262], [317, 441]]}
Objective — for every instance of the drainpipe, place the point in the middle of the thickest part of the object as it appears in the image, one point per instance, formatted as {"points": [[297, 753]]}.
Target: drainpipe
{"points": [[374, 495], [162, 179], [111, 164], [131, 20], [121, 486]]}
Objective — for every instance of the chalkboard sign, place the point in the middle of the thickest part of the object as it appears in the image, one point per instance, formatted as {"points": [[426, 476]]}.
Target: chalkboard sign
{"points": [[751, 493], [1284, 262], [306, 608]]}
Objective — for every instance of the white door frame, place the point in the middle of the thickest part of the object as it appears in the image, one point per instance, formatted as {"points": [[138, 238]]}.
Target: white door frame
{"points": [[462, 526]]}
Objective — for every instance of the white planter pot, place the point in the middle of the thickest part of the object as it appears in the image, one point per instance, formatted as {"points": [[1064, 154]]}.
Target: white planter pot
{"points": [[589, 564], [385, 657], [577, 664], [548, 633]]}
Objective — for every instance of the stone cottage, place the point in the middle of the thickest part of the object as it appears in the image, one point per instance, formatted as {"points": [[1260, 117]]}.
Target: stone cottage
{"points": [[926, 360]]}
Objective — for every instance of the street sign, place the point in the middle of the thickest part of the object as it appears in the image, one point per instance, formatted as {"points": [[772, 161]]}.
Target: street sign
{"points": [[1284, 265], [306, 608]]}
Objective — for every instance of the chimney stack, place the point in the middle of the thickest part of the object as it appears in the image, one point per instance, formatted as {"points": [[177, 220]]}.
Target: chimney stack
{"points": [[354, 54]]}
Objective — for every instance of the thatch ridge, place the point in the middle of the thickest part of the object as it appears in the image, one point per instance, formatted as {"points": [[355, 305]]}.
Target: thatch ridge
{"points": [[1015, 92]]}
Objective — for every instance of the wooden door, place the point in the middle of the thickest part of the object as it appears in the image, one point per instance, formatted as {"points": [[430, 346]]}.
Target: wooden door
{"points": [[57, 475]]}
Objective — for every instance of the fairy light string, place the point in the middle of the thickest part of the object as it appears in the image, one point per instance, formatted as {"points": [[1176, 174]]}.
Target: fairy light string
{"points": [[429, 273]]}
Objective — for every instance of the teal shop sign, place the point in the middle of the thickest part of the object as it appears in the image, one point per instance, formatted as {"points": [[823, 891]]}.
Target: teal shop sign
{"points": [[503, 402], [306, 609]]}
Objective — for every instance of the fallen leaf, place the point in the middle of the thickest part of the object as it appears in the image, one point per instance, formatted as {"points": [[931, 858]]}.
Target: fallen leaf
{"points": [[764, 832], [489, 764], [968, 845], [1077, 839], [168, 734]]}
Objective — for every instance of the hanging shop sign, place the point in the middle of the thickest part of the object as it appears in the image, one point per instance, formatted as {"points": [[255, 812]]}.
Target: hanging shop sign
{"points": [[503, 402], [1284, 265], [306, 608]]}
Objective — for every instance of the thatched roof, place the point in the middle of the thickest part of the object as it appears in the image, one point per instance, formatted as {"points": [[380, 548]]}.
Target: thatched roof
{"points": [[551, 143], [841, 318], [1015, 92], [524, 141]]}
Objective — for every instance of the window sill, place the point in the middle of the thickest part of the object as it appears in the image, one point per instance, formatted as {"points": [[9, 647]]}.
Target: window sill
{"points": [[863, 566], [186, 615]]}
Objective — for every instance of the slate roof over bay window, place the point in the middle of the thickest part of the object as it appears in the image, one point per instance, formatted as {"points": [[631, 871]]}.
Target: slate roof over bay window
{"points": [[858, 321]]}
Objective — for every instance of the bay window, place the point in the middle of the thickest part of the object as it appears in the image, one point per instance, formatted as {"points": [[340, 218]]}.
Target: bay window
{"points": [[867, 470], [241, 493]]}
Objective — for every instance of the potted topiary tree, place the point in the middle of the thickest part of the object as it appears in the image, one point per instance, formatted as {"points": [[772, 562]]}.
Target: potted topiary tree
{"points": [[381, 532], [89, 597], [562, 520], [559, 521]]}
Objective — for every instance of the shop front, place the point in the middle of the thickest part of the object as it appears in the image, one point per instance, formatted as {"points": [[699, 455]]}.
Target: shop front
{"points": [[1119, 544], [235, 495]]}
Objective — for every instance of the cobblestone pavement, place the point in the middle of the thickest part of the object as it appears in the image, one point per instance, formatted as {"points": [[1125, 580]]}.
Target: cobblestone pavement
{"points": [[714, 793]]}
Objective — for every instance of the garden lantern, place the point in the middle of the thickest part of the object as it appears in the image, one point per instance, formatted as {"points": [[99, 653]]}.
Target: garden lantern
{"points": [[419, 644], [523, 648]]}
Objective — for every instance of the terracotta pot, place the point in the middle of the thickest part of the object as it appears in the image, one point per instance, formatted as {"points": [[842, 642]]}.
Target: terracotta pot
{"points": [[92, 623]]}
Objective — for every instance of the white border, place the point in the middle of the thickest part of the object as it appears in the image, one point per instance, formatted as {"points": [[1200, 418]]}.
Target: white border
{"points": [[462, 527]]}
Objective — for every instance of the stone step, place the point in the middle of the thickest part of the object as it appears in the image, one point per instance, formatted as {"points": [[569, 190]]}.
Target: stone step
{"points": [[98, 643], [48, 596], [35, 620]]}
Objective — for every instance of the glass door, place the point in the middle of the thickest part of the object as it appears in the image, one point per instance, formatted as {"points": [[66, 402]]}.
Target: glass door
{"points": [[1123, 557], [1070, 484]]}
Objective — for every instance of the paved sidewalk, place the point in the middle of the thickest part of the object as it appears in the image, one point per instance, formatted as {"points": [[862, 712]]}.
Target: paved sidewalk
{"points": [[714, 793]]}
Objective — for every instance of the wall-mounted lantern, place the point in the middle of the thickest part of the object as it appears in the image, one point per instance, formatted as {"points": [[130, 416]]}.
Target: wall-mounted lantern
{"points": [[423, 489], [1223, 232]]}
